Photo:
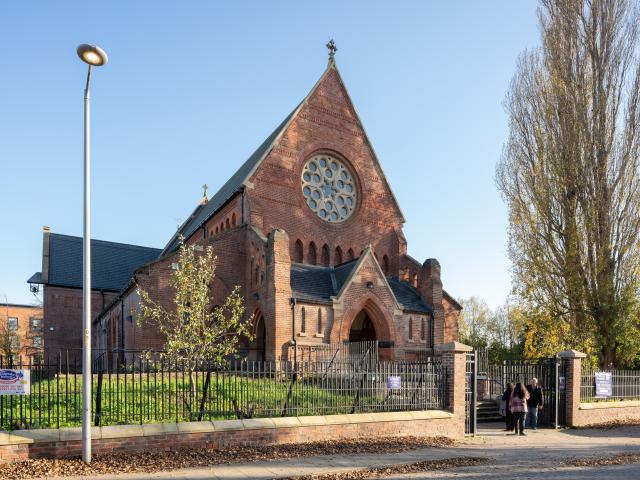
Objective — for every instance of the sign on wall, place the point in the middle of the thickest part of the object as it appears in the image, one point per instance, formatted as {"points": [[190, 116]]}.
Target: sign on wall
{"points": [[562, 383], [15, 382], [604, 387], [394, 383]]}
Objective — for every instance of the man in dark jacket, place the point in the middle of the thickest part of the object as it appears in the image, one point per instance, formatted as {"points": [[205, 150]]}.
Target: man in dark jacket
{"points": [[534, 403]]}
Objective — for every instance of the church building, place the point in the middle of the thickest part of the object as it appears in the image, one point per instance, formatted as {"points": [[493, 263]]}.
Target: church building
{"points": [[309, 228]]}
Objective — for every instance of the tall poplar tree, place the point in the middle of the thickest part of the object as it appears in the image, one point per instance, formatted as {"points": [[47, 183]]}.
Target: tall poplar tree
{"points": [[569, 174]]}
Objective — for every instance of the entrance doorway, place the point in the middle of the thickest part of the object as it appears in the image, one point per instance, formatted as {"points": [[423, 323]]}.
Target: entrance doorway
{"points": [[362, 329]]}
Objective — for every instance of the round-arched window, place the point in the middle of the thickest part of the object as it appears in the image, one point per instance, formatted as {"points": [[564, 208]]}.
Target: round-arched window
{"points": [[329, 188]]}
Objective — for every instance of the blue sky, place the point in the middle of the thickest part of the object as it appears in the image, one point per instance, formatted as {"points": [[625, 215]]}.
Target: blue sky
{"points": [[192, 88]]}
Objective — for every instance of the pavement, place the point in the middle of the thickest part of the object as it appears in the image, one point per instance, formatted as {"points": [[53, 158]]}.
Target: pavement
{"points": [[539, 455]]}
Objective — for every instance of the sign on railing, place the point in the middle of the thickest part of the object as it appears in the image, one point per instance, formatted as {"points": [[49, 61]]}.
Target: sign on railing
{"points": [[15, 382], [604, 385]]}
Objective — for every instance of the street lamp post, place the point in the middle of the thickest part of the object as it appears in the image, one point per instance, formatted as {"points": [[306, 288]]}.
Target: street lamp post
{"points": [[95, 57]]}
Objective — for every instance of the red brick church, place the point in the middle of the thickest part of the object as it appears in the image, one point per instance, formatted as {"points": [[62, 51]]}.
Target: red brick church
{"points": [[308, 226]]}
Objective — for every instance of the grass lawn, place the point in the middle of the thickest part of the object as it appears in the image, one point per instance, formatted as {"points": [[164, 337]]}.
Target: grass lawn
{"points": [[154, 397]]}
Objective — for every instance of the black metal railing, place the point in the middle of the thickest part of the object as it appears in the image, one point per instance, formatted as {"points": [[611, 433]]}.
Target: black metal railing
{"points": [[135, 387], [345, 352], [625, 385]]}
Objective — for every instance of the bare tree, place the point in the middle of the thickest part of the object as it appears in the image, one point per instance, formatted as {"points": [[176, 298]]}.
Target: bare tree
{"points": [[569, 171]]}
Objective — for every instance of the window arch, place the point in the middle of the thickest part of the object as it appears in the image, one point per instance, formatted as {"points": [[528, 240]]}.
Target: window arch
{"points": [[423, 332], [222, 226], [385, 264], [337, 256], [303, 320], [311, 256], [319, 320], [350, 254], [326, 257], [410, 328], [298, 254], [415, 280], [216, 230], [233, 220], [227, 224]]}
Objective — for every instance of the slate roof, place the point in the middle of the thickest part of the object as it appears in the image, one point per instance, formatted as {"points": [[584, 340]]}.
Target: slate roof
{"points": [[318, 284], [233, 185], [408, 296], [112, 264]]}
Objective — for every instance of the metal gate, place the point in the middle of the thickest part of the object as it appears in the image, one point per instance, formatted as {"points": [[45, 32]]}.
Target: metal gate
{"points": [[471, 394], [551, 374]]}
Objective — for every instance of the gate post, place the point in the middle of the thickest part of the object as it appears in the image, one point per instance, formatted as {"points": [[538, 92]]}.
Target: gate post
{"points": [[454, 358], [572, 384]]}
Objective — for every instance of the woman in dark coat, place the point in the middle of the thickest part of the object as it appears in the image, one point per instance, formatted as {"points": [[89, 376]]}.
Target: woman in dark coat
{"points": [[508, 416]]}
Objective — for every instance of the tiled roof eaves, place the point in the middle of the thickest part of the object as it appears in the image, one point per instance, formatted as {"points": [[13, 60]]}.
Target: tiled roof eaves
{"points": [[313, 300]]}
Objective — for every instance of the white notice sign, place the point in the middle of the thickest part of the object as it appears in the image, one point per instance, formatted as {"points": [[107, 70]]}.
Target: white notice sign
{"points": [[15, 382]]}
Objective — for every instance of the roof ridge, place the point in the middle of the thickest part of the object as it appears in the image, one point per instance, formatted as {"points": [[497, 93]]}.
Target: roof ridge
{"points": [[105, 242], [244, 172]]}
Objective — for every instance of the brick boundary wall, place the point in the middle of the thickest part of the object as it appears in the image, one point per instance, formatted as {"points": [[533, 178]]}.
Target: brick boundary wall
{"points": [[581, 414], [65, 442]]}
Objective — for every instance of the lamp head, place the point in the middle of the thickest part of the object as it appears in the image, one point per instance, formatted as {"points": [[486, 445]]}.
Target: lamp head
{"points": [[92, 54]]}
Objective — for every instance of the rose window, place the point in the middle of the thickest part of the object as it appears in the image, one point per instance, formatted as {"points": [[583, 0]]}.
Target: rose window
{"points": [[328, 188]]}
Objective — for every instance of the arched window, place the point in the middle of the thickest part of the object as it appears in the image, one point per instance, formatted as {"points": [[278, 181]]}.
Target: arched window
{"points": [[233, 220], [410, 328], [423, 333], [303, 321], [350, 254], [319, 321], [326, 259], [222, 226], [216, 230], [311, 255], [298, 255], [415, 280], [337, 256], [227, 224], [385, 264]]}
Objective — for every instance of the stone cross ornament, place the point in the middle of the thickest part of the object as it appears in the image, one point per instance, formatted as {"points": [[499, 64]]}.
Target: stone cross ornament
{"points": [[332, 49]]}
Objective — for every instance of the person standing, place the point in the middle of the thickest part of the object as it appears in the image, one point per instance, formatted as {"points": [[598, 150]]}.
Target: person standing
{"points": [[508, 416], [518, 404], [534, 404]]}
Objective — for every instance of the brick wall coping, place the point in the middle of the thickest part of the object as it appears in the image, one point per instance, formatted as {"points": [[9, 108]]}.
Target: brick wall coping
{"points": [[610, 404], [570, 353], [147, 430], [455, 347]]}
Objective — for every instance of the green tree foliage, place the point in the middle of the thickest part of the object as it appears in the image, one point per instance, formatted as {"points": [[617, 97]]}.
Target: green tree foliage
{"points": [[500, 331], [569, 175]]}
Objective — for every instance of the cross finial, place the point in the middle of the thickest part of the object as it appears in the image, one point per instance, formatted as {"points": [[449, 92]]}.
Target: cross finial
{"points": [[205, 187], [332, 49]]}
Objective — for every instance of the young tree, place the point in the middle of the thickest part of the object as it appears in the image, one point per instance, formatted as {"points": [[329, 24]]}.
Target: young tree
{"points": [[569, 173], [195, 330]]}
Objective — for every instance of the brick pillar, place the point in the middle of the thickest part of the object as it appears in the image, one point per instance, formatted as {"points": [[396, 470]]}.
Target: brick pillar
{"points": [[454, 358], [277, 314], [573, 380], [430, 287]]}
